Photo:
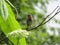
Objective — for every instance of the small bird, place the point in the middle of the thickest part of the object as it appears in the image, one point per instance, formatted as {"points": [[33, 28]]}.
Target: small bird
{"points": [[29, 21]]}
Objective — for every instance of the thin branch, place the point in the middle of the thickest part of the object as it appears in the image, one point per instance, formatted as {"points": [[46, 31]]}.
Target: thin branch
{"points": [[58, 9], [46, 18], [51, 18], [12, 6], [49, 14]]}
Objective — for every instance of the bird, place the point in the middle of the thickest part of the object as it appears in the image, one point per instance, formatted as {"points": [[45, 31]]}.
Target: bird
{"points": [[29, 21]]}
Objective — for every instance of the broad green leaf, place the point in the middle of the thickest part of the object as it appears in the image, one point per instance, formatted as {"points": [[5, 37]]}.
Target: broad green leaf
{"points": [[3, 9], [10, 24], [22, 41]]}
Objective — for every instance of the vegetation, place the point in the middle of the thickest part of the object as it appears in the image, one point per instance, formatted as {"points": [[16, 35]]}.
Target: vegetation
{"points": [[13, 23]]}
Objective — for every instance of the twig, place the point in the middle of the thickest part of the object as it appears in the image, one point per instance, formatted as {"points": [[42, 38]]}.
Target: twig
{"points": [[12, 5], [51, 18], [49, 15], [46, 18]]}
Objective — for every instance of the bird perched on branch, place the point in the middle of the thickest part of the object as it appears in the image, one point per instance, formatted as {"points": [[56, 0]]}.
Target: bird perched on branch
{"points": [[29, 21]]}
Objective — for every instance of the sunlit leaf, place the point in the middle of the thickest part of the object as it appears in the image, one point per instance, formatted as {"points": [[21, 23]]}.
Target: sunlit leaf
{"points": [[3, 9], [22, 41], [10, 24]]}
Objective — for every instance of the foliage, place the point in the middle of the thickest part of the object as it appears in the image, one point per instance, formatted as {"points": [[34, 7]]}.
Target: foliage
{"points": [[28, 7], [9, 23], [14, 25]]}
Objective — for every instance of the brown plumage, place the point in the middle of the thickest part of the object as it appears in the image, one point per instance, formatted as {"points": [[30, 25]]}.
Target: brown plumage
{"points": [[29, 21]]}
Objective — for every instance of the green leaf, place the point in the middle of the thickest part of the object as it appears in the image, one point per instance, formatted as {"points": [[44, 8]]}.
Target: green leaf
{"points": [[10, 24], [3, 9], [22, 41]]}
